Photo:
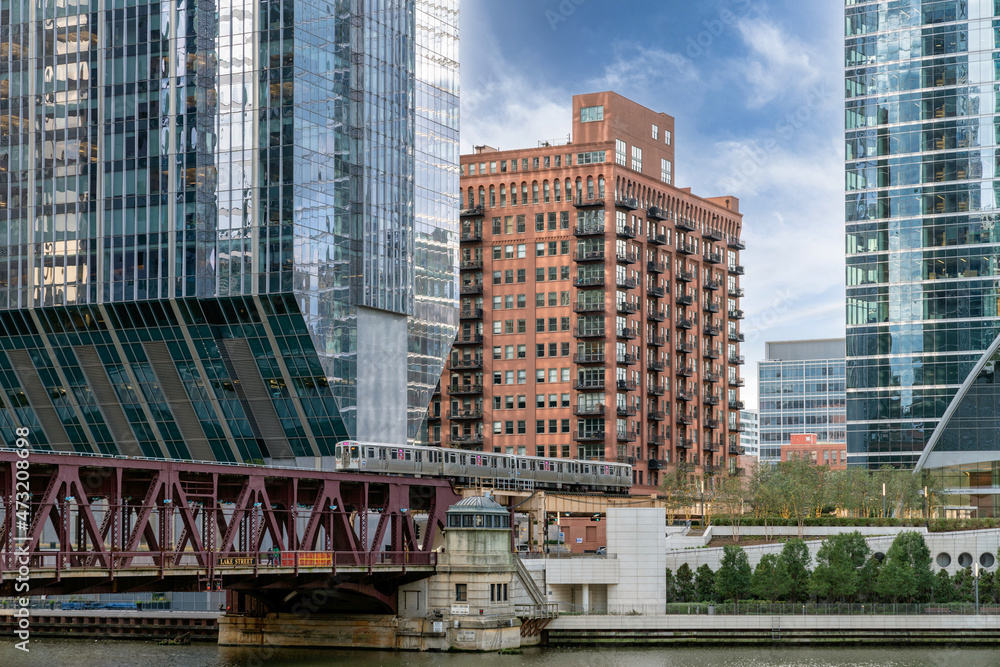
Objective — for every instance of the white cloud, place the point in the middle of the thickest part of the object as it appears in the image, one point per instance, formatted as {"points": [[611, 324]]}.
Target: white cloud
{"points": [[777, 62]]}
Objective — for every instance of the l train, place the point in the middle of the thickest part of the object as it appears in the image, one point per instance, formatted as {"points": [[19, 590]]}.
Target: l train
{"points": [[497, 470]]}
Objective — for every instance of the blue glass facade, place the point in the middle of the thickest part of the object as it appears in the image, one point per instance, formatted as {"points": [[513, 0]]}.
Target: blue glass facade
{"points": [[208, 213], [921, 113]]}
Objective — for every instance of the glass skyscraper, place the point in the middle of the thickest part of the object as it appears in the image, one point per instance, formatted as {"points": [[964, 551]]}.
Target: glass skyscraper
{"points": [[923, 124], [801, 390], [228, 230]]}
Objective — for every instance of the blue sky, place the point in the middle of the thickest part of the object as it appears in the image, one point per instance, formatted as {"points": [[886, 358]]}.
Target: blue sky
{"points": [[756, 87]]}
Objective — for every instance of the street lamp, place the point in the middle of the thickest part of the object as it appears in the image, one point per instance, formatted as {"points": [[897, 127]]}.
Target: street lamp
{"points": [[883, 499], [975, 574]]}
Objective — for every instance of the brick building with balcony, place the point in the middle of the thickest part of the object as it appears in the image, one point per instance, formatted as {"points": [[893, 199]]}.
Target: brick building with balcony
{"points": [[600, 305]]}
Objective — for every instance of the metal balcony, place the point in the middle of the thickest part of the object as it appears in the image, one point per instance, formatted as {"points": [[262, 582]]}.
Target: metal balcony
{"points": [[472, 288], [736, 359], [737, 244], [656, 267], [597, 307], [734, 450], [625, 232], [684, 371], [471, 264], [656, 341], [711, 399], [736, 314], [628, 203], [627, 308], [683, 299], [683, 323], [657, 239], [627, 436], [684, 348], [473, 211], [459, 389], [466, 364], [465, 414], [655, 316], [655, 292], [656, 415], [626, 385], [685, 248], [655, 440], [736, 427], [656, 390], [466, 439], [588, 410], [589, 255], [655, 366], [684, 276], [736, 269], [736, 405], [711, 378], [433, 417], [626, 283], [471, 339], [626, 360], [472, 314], [595, 358], [588, 230], [684, 395], [713, 257], [736, 292], [684, 418], [657, 464], [711, 446], [713, 424], [591, 436], [684, 224], [711, 285], [589, 281], [712, 331], [736, 382], [626, 258], [471, 237], [686, 443], [711, 306], [588, 333], [627, 333], [712, 234], [657, 213], [625, 411], [711, 353], [736, 336], [583, 202], [588, 385]]}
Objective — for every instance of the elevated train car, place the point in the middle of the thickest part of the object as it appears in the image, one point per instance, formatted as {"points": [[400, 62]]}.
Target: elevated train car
{"points": [[497, 469]]}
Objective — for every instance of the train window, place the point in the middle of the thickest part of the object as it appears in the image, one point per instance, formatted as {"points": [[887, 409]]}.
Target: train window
{"points": [[417, 456], [407, 454], [462, 459], [354, 452], [392, 454], [336, 451], [586, 469]]}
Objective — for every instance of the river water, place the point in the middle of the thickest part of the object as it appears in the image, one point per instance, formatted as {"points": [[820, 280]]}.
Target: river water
{"points": [[77, 653]]}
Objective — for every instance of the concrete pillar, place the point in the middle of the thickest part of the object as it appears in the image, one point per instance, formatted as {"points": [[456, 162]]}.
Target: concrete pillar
{"points": [[586, 598]]}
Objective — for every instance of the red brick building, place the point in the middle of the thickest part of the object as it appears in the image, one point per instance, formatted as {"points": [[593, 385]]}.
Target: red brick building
{"points": [[805, 446], [600, 304]]}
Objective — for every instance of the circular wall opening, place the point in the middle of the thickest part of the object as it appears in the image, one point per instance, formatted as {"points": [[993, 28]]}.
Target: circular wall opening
{"points": [[879, 556], [987, 559], [965, 560], [943, 559]]}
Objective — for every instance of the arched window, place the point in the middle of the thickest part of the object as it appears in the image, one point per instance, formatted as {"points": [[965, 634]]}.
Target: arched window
{"points": [[557, 186], [534, 192], [579, 189], [493, 197], [590, 187], [482, 196], [472, 198], [513, 194], [503, 196], [545, 192], [600, 187], [524, 193]]}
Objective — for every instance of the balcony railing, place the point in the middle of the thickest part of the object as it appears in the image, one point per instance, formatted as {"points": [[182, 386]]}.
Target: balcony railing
{"points": [[736, 314], [684, 276], [736, 405], [686, 248], [658, 464], [712, 331], [711, 352], [471, 237], [736, 269], [657, 239], [625, 410], [625, 232], [655, 315], [736, 292], [593, 358], [588, 410], [683, 299], [655, 440], [626, 385], [626, 258], [711, 399], [684, 348], [656, 267], [628, 333], [655, 366], [584, 202], [656, 341], [655, 292], [472, 288], [626, 360], [684, 371], [626, 283], [473, 211], [711, 446], [737, 244], [684, 418], [736, 359], [589, 281], [711, 285], [736, 382], [589, 436], [656, 415], [465, 414], [589, 255], [466, 364], [588, 385], [465, 439], [683, 323], [684, 224], [713, 424], [713, 257], [656, 213], [472, 314], [471, 339], [630, 203], [712, 234], [686, 443], [734, 450], [596, 307], [588, 333], [684, 395], [471, 264], [656, 390], [626, 436], [458, 389], [711, 306], [627, 308], [736, 336], [711, 378], [588, 230]]}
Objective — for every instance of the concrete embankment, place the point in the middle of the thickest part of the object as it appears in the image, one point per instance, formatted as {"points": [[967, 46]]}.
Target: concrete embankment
{"points": [[107, 624], [828, 630]]}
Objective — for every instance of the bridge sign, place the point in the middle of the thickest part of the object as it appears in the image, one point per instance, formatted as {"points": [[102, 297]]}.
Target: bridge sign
{"points": [[235, 561], [459, 610]]}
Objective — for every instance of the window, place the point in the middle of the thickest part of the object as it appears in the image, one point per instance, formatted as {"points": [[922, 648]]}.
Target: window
{"points": [[540, 325], [553, 348], [522, 351], [563, 298], [509, 352], [497, 377], [539, 222], [497, 252], [552, 272], [497, 328], [497, 302], [496, 403], [509, 377], [565, 426], [565, 374], [636, 158], [520, 224], [522, 377], [553, 377], [497, 352], [565, 273], [508, 252], [565, 349], [522, 427], [553, 324], [539, 426], [539, 250], [620, 152], [509, 402], [497, 277], [564, 219], [508, 427], [667, 138], [592, 114], [553, 426], [593, 157], [656, 132], [521, 402], [564, 247], [552, 222], [539, 400], [666, 169], [521, 275], [545, 162], [520, 251], [553, 296], [540, 350], [540, 375], [497, 428], [540, 274], [564, 324], [508, 224], [565, 400], [552, 247], [521, 326], [539, 299]]}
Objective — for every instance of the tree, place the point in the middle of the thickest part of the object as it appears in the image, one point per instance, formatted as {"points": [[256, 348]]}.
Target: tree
{"points": [[944, 589], [964, 585], [704, 583], [793, 571], [764, 582], [867, 578], [986, 586], [676, 491], [802, 485], [838, 567], [685, 583], [906, 573], [732, 581], [731, 495], [671, 586]]}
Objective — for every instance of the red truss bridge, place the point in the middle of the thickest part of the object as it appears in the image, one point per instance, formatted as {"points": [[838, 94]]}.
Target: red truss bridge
{"points": [[91, 524]]}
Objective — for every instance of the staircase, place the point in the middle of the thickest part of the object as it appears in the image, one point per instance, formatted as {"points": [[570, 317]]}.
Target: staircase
{"points": [[528, 583]]}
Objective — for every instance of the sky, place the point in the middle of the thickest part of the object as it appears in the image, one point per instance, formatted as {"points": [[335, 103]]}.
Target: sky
{"points": [[756, 88]]}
